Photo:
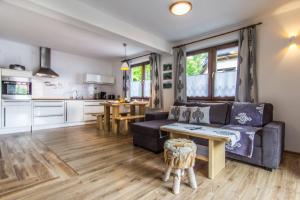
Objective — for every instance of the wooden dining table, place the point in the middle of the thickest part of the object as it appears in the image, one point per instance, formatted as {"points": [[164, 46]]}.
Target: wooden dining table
{"points": [[114, 106]]}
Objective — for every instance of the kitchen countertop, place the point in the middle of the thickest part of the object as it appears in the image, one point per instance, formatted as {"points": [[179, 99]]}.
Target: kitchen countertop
{"points": [[41, 99]]}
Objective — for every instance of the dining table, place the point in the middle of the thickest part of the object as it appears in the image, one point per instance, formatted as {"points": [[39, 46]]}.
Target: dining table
{"points": [[112, 111]]}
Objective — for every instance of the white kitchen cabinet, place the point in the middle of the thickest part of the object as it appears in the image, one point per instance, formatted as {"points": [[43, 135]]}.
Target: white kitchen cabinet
{"points": [[48, 113], [16, 113], [90, 108], [74, 111]]}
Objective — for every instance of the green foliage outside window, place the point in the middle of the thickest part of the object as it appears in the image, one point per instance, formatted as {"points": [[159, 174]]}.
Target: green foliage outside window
{"points": [[196, 64], [136, 73]]}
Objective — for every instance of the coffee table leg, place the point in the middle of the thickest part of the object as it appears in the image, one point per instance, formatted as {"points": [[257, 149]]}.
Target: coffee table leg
{"points": [[216, 158]]}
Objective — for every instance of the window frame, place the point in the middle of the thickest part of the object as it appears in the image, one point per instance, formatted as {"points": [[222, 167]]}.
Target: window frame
{"points": [[143, 64], [212, 52]]}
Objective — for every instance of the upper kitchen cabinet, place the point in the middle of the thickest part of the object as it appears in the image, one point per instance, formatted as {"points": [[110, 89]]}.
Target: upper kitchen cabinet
{"points": [[99, 79], [74, 111]]}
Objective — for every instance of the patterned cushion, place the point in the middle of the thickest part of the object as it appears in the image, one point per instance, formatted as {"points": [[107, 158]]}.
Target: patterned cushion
{"points": [[247, 114], [199, 115], [174, 113], [184, 114]]}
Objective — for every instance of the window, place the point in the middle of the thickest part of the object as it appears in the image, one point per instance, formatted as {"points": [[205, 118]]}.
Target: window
{"points": [[211, 73], [140, 83]]}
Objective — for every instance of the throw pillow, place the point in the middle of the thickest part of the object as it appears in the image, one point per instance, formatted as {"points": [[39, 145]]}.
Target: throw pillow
{"points": [[199, 115], [174, 113], [247, 114], [184, 114]]}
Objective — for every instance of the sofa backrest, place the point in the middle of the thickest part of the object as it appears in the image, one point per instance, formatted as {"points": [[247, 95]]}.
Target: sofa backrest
{"points": [[219, 112], [251, 114], [230, 112]]}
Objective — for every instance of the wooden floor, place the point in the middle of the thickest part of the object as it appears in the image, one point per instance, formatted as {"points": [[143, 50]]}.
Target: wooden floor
{"points": [[84, 163]]}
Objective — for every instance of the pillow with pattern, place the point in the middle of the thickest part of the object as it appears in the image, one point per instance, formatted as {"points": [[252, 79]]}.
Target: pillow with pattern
{"points": [[184, 114], [199, 115], [174, 113]]}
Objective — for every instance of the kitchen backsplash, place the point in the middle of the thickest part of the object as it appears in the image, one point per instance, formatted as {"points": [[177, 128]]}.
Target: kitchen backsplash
{"points": [[54, 88], [71, 69]]}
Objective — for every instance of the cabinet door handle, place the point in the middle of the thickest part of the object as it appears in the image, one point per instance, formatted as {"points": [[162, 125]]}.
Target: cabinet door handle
{"points": [[4, 116]]}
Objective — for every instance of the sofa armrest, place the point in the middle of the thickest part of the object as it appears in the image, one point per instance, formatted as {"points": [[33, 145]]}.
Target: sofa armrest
{"points": [[273, 144], [156, 116]]}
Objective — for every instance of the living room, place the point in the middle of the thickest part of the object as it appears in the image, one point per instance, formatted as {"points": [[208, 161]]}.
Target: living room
{"points": [[142, 99]]}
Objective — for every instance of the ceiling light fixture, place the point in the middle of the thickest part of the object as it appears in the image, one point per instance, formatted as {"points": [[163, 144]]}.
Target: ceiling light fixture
{"points": [[125, 66], [180, 7]]}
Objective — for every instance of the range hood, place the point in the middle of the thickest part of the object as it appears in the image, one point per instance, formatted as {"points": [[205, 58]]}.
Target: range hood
{"points": [[45, 64]]}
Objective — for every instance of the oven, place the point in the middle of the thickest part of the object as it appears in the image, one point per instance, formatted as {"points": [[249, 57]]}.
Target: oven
{"points": [[16, 87]]}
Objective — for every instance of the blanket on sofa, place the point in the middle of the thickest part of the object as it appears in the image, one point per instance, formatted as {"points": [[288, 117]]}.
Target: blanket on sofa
{"points": [[241, 137]]}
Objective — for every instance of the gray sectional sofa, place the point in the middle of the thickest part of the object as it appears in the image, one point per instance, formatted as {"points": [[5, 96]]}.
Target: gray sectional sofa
{"points": [[268, 141]]}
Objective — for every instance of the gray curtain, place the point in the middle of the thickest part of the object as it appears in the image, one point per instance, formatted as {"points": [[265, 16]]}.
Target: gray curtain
{"points": [[156, 86], [246, 87], [180, 76], [126, 83]]}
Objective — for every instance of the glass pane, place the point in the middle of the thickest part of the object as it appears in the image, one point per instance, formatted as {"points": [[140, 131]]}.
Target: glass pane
{"points": [[136, 81], [226, 71], [197, 75], [147, 83]]}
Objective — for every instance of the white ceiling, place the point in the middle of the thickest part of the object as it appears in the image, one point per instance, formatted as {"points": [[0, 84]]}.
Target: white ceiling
{"points": [[206, 16], [97, 28], [28, 27]]}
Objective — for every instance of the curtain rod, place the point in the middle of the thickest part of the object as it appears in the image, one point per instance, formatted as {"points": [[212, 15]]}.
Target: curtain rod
{"points": [[135, 57], [232, 31]]}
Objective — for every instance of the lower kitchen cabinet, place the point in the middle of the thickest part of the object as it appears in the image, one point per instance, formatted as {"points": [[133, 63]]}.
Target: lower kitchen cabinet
{"points": [[48, 113], [74, 111], [90, 108], [16, 113]]}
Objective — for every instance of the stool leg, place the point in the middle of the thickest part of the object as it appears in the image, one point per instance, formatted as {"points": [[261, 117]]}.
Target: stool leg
{"points": [[167, 174], [192, 178], [176, 183], [182, 172]]}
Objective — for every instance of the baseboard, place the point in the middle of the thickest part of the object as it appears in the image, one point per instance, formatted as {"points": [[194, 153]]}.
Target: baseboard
{"points": [[292, 152], [36, 128]]}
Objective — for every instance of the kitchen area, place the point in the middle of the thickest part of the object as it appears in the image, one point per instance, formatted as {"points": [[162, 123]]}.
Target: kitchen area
{"points": [[45, 97]]}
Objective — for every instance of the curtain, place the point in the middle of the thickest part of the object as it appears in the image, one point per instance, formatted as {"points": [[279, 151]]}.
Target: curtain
{"points": [[126, 83], [246, 86], [156, 86], [180, 76]]}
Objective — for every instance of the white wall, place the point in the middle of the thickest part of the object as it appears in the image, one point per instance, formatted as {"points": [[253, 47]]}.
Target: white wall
{"points": [[71, 69], [278, 69]]}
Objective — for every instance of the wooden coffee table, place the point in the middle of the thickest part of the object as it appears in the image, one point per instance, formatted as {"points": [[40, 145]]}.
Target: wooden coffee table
{"points": [[214, 154]]}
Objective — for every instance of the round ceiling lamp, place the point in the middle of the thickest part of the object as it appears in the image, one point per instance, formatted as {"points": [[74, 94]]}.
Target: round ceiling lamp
{"points": [[125, 66], [180, 7]]}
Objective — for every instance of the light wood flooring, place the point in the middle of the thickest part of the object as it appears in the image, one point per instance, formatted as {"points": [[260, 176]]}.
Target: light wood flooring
{"points": [[84, 163]]}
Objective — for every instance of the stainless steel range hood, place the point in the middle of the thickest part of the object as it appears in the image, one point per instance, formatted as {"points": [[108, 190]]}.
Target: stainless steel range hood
{"points": [[45, 64]]}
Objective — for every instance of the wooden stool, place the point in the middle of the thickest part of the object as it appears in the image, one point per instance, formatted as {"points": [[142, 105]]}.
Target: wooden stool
{"points": [[180, 154]]}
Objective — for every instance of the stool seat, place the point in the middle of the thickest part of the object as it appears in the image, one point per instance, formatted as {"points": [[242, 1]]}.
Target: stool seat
{"points": [[180, 154]]}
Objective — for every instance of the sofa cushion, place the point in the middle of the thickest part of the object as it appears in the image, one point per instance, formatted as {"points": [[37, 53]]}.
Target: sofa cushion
{"points": [[218, 114], [250, 114], [199, 115], [149, 127], [174, 113], [184, 114]]}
